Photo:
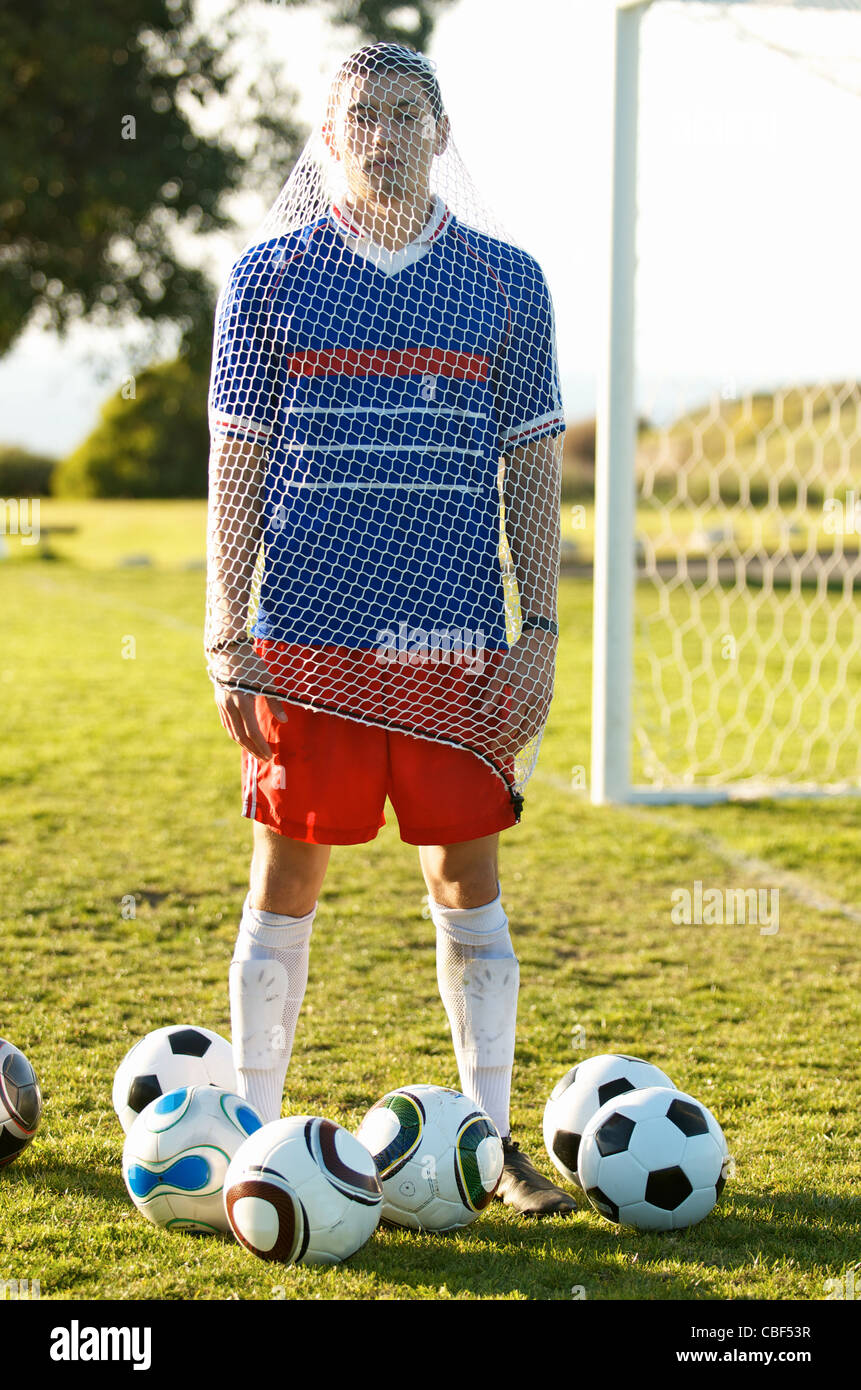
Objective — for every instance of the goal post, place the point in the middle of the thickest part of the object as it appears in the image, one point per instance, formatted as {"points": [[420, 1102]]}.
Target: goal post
{"points": [[727, 528], [615, 440]]}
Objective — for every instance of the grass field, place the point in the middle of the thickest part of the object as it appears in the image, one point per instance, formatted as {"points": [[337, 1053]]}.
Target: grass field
{"points": [[117, 779], [101, 534]]}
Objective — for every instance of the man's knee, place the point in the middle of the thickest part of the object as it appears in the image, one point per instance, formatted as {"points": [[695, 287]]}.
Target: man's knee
{"points": [[462, 875], [286, 875]]}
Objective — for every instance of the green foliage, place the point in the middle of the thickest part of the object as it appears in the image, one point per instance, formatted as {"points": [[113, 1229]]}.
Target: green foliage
{"points": [[794, 447], [384, 20], [88, 210], [25, 474], [102, 161], [153, 445]]}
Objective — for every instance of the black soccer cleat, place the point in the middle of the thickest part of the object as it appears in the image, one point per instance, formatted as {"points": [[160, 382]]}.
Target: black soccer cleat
{"points": [[526, 1190]]}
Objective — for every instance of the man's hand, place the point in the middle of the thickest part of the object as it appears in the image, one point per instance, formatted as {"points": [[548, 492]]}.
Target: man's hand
{"points": [[238, 710], [517, 699]]}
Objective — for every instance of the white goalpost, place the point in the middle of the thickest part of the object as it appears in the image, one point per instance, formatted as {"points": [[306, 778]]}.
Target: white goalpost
{"points": [[727, 531]]}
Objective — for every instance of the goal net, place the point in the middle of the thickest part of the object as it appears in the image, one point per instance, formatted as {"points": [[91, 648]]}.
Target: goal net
{"points": [[386, 434], [728, 654]]}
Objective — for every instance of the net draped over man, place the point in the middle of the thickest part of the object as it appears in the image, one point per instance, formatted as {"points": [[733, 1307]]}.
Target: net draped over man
{"points": [[383, 545]]}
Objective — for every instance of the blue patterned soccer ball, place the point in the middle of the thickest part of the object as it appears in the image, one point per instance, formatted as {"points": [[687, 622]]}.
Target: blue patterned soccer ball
{"points": [[655, 1159], [303, 1191], [177, 1153], [581, 1093], [20, 1102], [180, 1055], [438, 1154]]}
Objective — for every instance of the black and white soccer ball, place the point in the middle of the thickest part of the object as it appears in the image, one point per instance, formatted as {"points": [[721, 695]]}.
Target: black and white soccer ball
{"points": [[302, 1191], [580, 1095], [656, 1159], [20, 1102], [438, 1154], [181, 1055]]}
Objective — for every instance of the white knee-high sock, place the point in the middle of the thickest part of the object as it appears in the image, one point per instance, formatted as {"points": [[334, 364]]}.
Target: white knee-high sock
{"points": [[268, 975], [479, 976]]}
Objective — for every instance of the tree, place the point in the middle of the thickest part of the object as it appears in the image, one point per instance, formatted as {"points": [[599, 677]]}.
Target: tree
{"points": [[384, 19], [152, 444], [23, 473], [101, 161]]}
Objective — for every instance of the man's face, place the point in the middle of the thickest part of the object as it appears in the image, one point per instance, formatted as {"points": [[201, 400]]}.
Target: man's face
{"points": [[383, 130]]}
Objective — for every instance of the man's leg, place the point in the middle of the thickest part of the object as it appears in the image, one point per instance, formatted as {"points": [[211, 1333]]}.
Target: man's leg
{"points": [[269, 970], [477, 970], [478, 976], [325, 784], [286, 874]]}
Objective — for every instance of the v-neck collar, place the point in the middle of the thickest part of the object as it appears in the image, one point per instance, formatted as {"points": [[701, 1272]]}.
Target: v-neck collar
{"points": [[391, 262]]}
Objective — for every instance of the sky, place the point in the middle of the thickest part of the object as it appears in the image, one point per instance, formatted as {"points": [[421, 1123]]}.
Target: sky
{"points": [[748, 198]]}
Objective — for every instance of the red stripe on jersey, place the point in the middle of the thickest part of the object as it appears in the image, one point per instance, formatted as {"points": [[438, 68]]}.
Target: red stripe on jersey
{"points": [[440, 229], [388, 362], [499, 284], [346, 222]]}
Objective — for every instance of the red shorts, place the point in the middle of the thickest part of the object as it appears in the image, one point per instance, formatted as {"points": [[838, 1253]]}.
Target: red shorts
{"points": [[329, 777]]}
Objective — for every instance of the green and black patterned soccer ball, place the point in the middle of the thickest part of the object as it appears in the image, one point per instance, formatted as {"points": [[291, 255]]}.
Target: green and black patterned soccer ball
{"points": [[438, 1155]]}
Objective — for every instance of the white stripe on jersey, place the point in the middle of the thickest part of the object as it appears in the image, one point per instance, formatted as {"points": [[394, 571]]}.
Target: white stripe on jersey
{"points": [[380, 449], [223, 421], [453, 411], [371, 487], [522, 432]]}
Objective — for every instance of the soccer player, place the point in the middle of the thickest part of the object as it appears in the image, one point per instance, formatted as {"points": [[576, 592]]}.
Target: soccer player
{"points": [[373, 363]]}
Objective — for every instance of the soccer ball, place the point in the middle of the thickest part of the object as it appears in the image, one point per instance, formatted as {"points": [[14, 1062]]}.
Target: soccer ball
{"points": [[166, 1059], [20, 1102], [439, 1157], [581, 1092], [177, 1154], [656, 1159], [303, 1191]]}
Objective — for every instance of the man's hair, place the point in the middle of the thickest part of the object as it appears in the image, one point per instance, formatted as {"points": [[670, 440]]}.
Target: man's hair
{"points": [[377, 58]]}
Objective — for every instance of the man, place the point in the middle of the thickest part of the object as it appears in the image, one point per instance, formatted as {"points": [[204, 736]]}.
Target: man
{"points": [[373, 360]]}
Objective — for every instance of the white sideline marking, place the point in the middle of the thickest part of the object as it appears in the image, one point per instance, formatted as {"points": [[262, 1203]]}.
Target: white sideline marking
{"points": [[790, 883], [155, 615]]}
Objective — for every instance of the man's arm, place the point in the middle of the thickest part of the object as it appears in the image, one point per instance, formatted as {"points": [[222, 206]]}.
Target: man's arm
{"points": [[237, 471], [531, 494], [518, 696], [236, 478]]}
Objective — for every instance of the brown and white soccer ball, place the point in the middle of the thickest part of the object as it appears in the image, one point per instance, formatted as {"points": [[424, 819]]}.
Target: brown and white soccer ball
{"points": [[302, 1191]]}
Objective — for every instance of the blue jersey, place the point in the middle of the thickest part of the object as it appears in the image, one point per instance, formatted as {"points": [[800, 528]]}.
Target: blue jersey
{"points": [[385, 387]]}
